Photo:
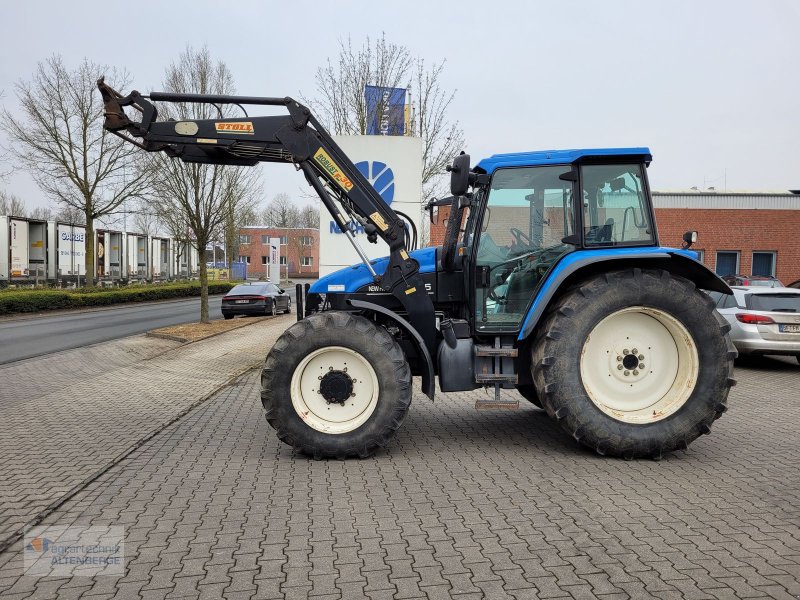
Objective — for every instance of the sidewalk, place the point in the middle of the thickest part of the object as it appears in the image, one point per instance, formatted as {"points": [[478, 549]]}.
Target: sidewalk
{"points": [[67, 416]]}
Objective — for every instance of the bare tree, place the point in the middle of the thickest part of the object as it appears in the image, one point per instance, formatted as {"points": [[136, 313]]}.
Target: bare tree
{"points": [[245, 214], [302, 245], [176, 226], [281, 212], [59, 139], [41, 213], [309, 217], [341, 105], [340, 102], [145, 219], [70, 214], [442, 139], [11, 205], [199, 195]]}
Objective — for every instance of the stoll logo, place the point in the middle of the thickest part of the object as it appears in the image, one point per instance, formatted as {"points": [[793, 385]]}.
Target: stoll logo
{"points": [[381, 177]]}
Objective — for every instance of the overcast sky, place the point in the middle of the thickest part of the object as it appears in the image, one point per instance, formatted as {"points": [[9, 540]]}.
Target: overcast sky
{"points": [[711, 87]]}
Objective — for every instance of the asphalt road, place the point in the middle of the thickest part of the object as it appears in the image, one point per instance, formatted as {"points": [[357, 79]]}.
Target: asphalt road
{"points": [[27, 337]]}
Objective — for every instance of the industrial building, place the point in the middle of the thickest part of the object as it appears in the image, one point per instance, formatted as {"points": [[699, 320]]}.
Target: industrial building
{"points": [[748, 233]]}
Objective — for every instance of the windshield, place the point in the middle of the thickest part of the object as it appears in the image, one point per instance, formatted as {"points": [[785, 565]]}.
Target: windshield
{"points": [[770, 283], [774, 302]]}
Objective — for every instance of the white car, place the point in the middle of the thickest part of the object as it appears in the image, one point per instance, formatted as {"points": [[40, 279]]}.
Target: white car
{"points": [[763, 320]]}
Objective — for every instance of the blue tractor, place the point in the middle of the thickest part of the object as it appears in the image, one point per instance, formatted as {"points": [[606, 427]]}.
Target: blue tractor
{"points": [[551, 281]]}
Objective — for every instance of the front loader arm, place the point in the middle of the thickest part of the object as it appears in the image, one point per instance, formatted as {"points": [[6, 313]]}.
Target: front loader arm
{"points": [[296, 138]]}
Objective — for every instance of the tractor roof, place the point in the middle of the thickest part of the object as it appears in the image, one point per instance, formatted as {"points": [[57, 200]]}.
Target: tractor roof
{"points": [[558, 157]]}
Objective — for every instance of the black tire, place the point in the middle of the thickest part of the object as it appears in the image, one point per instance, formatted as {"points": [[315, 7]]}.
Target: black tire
{"points": [[227, 317], [375, 345], [529, 393], [558, 353]]}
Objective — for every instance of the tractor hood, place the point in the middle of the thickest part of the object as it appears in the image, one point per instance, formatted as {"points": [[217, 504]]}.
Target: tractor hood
{"points": [[350, 279]]}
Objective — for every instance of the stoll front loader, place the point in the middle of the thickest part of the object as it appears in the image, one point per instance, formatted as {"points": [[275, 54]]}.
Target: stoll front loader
{"points": [[551, 280]]}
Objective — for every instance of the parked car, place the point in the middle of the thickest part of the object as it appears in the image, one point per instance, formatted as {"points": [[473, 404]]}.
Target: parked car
{"points": [[262, 298], [752, 281], [795, 284], [763, 320]]}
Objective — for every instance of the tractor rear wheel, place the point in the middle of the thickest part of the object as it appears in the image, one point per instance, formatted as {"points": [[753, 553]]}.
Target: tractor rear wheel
{"points": [[335, 385], [634, 363]]}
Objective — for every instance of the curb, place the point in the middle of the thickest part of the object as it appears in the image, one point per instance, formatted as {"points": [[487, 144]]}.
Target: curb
{"points": [[177, 338], [166, 336]]}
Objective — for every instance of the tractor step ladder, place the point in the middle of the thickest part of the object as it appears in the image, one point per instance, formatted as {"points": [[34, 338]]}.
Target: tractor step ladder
{"points": [[495, 355]]}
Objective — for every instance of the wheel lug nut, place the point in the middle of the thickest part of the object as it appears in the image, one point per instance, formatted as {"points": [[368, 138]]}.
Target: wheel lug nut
{"points": [[626, 352], [626, 373], [634, 351], [641, 366], [635, 372], [619, 359], [641, 357], [619, 367]]}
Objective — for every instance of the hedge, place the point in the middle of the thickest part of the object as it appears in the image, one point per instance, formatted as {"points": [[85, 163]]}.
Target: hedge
{"points": [[22, 301]]}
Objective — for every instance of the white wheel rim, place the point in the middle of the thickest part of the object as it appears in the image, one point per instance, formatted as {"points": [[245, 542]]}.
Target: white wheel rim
{"points": [[331, 417], [665, 371]]}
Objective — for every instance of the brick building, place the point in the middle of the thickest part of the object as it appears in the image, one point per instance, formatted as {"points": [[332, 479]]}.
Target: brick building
{"points": [[299, 251], [746, 233]]}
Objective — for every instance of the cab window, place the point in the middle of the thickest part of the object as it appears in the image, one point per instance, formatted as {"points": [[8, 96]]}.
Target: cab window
{"points": [[615, 208]]}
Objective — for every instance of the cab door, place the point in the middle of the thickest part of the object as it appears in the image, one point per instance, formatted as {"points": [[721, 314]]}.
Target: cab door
{"points": [[528, 212]]}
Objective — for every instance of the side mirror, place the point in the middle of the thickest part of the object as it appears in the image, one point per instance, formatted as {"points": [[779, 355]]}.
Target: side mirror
{"points": [[281, 291], [459, 175], [689, 238]]}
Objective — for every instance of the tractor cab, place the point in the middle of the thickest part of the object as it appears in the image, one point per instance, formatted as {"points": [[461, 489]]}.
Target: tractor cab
{"points": [[528, 210]]}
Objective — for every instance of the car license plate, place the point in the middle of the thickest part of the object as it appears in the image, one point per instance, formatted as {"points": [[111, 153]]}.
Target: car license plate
{"points": [[789, 329], [243, 302]]}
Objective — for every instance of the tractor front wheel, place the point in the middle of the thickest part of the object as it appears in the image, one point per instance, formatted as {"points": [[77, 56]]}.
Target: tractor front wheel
{"points": [[634, 363], [335, 385]]}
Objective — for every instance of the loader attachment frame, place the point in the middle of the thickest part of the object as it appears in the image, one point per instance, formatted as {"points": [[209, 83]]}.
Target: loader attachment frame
{"points": [[297, 138]]}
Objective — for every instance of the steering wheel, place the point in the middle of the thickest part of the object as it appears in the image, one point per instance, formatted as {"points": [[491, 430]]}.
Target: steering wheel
{"points": [[518, 237]]}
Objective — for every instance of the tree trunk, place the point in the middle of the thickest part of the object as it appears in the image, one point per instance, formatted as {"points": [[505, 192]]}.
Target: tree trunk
{"points": [[203, 292], [91, 267]]}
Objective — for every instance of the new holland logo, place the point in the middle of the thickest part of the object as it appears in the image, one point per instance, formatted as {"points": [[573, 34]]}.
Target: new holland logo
{"points": [[380, 177], [239, 127]]}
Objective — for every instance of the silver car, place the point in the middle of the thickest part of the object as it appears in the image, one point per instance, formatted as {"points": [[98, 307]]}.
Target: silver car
{"points": [[763, 320]]}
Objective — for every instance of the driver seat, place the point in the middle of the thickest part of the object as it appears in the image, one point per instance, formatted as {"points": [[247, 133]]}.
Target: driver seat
{"points": [[604, 235]]}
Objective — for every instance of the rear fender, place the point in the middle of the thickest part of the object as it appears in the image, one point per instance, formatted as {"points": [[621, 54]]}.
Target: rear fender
{"points": [[578, 265], [428, 386]]}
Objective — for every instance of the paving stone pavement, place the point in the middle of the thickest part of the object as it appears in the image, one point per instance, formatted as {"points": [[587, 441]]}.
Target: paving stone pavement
{"points": [[464, 504], [66, 415]]}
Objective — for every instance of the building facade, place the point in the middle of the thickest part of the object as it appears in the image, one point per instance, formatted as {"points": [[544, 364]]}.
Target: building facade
{"points": [[299, 251], [738, 232]]}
